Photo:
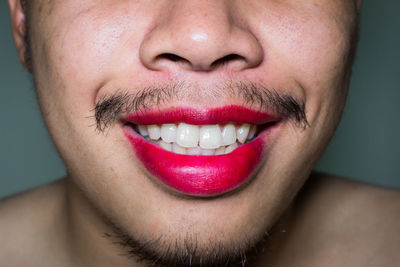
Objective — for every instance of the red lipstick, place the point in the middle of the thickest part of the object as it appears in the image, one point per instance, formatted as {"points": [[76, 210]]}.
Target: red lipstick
{"points": [[195, 174], [204, 116]]}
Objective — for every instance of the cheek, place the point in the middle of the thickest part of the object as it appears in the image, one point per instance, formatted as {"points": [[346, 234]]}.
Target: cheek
{"points": [[81, 50], [316, 53], [87, 53], [313, 48], [76, 52], [310, 39]]}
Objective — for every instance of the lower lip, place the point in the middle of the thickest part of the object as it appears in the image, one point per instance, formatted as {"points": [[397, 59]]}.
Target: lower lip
{"points": [[199, 175]]}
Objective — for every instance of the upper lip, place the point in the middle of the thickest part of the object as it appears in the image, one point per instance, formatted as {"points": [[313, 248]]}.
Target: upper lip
{"points": [[201, 116]]}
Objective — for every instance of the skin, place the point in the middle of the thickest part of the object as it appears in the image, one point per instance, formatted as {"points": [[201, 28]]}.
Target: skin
{"points": [[83, 50]]}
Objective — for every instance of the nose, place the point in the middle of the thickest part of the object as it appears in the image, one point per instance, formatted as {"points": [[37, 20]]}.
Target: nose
{"points": [[200, 36]]}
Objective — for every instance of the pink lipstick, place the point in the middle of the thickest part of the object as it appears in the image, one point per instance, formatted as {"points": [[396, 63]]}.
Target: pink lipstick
{"points": [[197, 174]]}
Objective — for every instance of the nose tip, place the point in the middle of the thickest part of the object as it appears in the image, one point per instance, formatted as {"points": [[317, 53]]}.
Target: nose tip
{"points": [[200, 43]]}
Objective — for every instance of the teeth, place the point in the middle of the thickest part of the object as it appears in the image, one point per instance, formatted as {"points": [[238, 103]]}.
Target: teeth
{"points": [[187, 135], [210, 137], [252, 132], [207, 152], [198, 140], [168, 132], [230, 148], [242, 132], [228, 134], [178, 149], [220, 151], [165, 145], [154, 132], [143, 130], [194, 150]]}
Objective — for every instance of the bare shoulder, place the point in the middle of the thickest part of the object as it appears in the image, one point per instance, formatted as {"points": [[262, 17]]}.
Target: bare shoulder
{"points": [[356, 197], [352, 223], [360, 207], [31, 204], [26, 221]]}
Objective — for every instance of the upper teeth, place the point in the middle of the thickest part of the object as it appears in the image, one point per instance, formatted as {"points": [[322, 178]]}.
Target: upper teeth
{"points": [[198, 140], [210, 137]]}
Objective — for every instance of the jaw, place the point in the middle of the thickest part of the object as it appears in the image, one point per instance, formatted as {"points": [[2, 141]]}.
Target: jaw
{"points": [[229, 227], [145, 213]]}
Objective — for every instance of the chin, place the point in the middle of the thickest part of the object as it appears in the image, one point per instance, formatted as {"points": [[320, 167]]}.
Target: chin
{"points": [[208, 241], [172, 229]]}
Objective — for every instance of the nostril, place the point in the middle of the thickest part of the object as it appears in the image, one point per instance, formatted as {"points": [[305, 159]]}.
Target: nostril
{"points": [[198, 64], [172, 57], [226, 59]]}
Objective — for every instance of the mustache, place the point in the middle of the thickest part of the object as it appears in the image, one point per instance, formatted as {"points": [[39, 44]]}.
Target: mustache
{"points": [[111, 108]]}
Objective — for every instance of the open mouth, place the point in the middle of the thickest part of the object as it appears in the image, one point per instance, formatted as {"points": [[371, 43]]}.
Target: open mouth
{"points": [[200, 152], [206, 140]]}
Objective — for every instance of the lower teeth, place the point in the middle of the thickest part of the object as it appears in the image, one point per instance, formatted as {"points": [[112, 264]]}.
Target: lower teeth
{"points": [[174, 147]]}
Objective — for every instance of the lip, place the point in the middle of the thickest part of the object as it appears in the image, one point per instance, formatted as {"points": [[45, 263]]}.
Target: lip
{"points": [[203, 116], [199, 175]]}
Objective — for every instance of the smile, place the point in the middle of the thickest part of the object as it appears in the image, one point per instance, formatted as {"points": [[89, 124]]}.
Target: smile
{"points": [[190, 139], [203, 152]]}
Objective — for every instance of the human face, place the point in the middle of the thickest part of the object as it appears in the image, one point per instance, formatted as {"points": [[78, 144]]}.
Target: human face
{"points": [[204, 54]]}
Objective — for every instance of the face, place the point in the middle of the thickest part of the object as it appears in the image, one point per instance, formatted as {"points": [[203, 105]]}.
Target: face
{"points": [[189, 64]]}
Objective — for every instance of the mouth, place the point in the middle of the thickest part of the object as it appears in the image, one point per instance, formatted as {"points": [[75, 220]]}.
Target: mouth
{"points": [[201, 152]]}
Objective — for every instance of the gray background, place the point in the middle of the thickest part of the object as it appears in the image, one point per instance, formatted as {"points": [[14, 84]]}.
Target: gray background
{"points": [[365, 147]]}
